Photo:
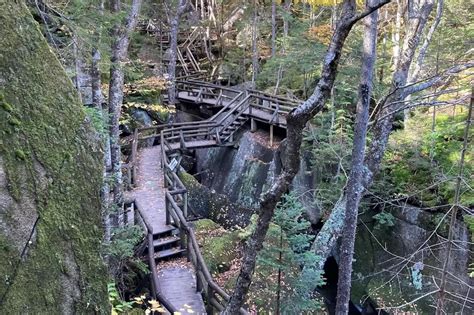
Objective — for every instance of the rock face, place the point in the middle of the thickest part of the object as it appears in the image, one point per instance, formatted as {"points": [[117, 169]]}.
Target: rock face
{"points": [[50, 177], [391, 266], [243, 173]]}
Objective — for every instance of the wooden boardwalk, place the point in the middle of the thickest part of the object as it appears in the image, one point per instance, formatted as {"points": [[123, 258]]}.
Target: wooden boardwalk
{"points": [[176, 284], [264, 116], [179, 286]]}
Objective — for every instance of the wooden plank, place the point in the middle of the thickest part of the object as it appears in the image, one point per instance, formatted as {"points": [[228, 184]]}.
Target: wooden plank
{"points": [[178, 285]]}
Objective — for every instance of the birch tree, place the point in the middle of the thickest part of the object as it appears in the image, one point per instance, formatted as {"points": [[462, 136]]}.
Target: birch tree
{"points": [[179, 9], [121, 38], [354, 185]]}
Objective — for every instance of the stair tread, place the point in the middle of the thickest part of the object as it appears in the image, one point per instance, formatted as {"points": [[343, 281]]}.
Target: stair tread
{"points": [[165, 241], [166, 229], [169, 252]]}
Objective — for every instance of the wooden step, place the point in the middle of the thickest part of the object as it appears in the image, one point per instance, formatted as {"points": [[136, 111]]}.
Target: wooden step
{"points": [[162, 242], [167, 230], [169, 253]]}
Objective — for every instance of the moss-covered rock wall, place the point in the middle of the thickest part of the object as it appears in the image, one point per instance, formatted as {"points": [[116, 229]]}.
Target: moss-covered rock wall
{"points": [[50, 175]]}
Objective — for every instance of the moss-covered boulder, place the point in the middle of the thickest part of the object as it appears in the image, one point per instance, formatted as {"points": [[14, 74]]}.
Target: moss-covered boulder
{"points": [[219, 246], [50, 177]]}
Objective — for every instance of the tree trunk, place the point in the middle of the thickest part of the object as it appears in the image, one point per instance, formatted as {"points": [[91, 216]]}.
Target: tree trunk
{"points": [[255, 42], [174, 29], [424, 48], [273, 28], [121, 34], [383, 127], [354, 185], [296, 122]]}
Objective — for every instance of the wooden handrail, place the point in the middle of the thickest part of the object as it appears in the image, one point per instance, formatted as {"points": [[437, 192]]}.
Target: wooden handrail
{"points": [[193, 249]]}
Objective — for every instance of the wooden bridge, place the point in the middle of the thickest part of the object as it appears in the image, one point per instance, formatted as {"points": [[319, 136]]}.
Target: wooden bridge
{"points": [[159, 198]]}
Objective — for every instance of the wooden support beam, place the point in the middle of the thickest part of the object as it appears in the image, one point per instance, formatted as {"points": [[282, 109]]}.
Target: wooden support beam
{"points": [[253, 125], [271, 135]]}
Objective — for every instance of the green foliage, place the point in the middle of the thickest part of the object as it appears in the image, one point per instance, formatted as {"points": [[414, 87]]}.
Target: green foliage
{"points": [[329, 141], [469, 220], [424, 164], [95, 116], [117, 304], [286, 249], [123, 241], [384, 219]]}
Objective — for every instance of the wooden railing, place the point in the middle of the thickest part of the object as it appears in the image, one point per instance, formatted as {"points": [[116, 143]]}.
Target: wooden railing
{"points": [[176, 202], [205, 92], [157, 294]]}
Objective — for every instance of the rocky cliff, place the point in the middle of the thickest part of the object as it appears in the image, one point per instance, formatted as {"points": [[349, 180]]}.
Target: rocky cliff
{"points": [[50, 177]]}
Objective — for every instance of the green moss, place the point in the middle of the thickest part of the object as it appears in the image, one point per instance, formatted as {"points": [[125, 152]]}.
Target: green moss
{"points": [[7, 107], [20, 154], [42, 126]]}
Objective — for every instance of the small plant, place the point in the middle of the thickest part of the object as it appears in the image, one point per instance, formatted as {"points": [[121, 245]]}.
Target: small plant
{"points": [[119, 306], [384, 219]]}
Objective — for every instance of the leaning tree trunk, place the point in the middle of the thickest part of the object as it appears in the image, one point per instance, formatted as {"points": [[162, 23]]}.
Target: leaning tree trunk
{"points": [[296, 122], [121, 34], [354, 185]]}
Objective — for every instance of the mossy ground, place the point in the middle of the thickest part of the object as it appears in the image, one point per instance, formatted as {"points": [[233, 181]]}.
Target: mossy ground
{"points": [[42, 121]]}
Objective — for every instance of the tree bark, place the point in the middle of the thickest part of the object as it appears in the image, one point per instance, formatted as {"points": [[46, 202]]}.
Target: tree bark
{"points": [[255, 42], [354, 185], [296, 122], [383, 127], [174, 29], [424, 48], [121, 34], [273, 28]]}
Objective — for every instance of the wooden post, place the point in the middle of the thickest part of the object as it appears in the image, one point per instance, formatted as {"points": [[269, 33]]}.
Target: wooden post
{"points": [[253, 125], [167, 210], [210, 294], [271, 135], [182, 236], [198, 281], [185, 205]]}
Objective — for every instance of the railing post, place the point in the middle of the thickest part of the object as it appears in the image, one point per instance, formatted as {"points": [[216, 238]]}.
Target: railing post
{"points": [[253, 125], [181, 138], [271, 135], [198, 280], [210, 295], [167, 210], [185, 205], [182, 236], [218, 138]]}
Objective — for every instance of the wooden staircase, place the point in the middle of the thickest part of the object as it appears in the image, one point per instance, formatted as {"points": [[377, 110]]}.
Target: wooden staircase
{"points": [[167, 245]]}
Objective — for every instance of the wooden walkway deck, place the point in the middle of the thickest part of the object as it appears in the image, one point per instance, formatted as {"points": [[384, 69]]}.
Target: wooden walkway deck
{"points": [[256, 113], [178, 285]]}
